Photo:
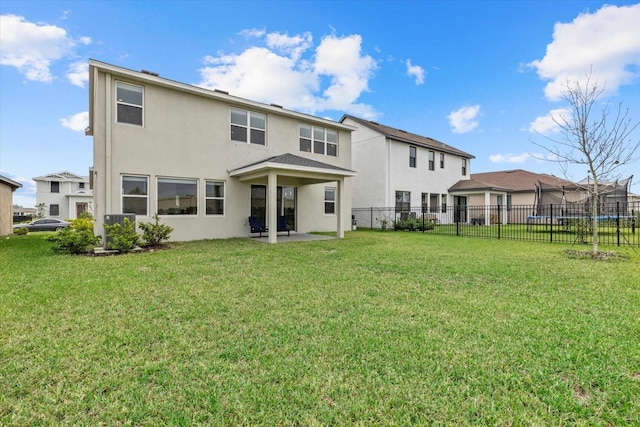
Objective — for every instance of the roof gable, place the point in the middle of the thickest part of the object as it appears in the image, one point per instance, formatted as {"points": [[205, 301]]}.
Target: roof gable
{"points": [[408, 137], [62, 176]]}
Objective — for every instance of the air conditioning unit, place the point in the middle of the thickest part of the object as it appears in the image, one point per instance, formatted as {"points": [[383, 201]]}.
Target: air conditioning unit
{"points": [[111, 219]]}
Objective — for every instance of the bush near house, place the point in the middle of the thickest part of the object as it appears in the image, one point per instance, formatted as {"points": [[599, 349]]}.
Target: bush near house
{"points": [[154, 234], [122, 237], [77, 239]]}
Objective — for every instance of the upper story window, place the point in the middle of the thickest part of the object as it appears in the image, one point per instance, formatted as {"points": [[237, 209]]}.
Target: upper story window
{"points": [[55, 187], [321, 140], [441, 160], [432, 160], [81, 185], [247, 126], [130, 103], [412, 157], [464, 167]]}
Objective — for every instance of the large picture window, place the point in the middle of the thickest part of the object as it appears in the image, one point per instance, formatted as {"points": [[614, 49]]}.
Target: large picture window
{"points": [[329, 200], [130, 103], [320, 140], [135, 195], [247, 126], [214, 196], [177, 196]]}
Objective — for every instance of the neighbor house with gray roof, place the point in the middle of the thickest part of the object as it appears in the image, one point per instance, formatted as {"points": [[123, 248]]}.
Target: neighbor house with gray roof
{"points": [[64, 195], [404, 170], [205, 160]]}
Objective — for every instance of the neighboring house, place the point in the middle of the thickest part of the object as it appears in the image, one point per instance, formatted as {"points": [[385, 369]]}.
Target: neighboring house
{"points": [[205, 161], [21, 214], [7, 187], [509, 188], [402, 169], [64, 194]]}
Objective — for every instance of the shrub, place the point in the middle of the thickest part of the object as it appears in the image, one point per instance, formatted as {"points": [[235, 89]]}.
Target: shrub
{"points": [[155, 233], [82, 224], [123, 237], [21, 231], [72, 241]]}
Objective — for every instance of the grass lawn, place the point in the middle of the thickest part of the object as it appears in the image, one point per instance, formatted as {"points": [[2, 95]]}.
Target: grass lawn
{"points": [[378, 328]]}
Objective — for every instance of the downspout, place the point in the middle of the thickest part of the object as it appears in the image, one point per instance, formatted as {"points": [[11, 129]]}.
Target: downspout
{"points": [[107, 143]]}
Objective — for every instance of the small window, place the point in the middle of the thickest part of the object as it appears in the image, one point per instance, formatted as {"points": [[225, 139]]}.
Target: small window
{"points": [[214, 198], [305, 138], [329, 200], [434, 203], [81, 185], [412, 157], [444, 203], [247, 126], [130, 103], [177, 196], [54, 210], [55, 187], [464, 167], [403, 201], [432, 160], [135, 195], [441, 160]]}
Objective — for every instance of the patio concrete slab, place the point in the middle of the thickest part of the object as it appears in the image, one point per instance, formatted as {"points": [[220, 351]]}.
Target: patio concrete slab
{"points": [[295, 237]]}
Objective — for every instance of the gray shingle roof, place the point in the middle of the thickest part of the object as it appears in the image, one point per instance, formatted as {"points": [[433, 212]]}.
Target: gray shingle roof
{"points": [[293, 160], [408, 137]]}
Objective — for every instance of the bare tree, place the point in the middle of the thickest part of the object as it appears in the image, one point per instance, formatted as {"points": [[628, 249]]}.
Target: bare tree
{"points": [[601, 141]]}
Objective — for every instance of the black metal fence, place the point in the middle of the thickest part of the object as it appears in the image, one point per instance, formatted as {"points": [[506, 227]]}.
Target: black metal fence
{"points": [[617, 224]]}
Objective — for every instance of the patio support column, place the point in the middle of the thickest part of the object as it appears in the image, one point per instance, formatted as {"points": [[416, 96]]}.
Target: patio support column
{"points": [[272, 206], [487, 208], [340, 214]]}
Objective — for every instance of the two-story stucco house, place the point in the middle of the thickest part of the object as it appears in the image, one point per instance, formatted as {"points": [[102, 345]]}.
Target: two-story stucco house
{"points": [[64, 194], [403, 170], [205, 161]]}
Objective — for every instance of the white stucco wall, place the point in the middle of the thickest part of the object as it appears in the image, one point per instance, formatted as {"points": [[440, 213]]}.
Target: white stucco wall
{"points": [[186, 134]]}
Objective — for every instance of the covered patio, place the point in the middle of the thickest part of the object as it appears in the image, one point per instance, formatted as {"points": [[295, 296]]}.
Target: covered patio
{"points": [[288, 169]]}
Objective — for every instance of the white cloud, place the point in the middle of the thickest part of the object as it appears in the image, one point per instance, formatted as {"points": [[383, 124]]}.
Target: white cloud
{"points": [[78, 73], [546, 125], [280, 72], [33, 47], [509, 158], [607, 42], [416, 72], [77, 122], [464, 119]]}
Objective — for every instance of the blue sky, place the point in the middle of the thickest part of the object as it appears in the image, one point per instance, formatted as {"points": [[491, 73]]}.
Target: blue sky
{"points": [[482, 76]]}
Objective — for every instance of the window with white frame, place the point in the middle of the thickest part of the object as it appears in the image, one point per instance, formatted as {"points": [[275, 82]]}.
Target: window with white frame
{"points": [[441, 160], [319, 140], [403, 200], [432, 160], [248, 126], [412, 156], [177, 196], [501, 201], [329, 200], [55, 187], [135, 194], [214, 198], [130, 103], [464, 167]]}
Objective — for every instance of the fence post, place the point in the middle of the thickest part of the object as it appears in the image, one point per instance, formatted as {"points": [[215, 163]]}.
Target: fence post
{"points": [[371, 217], [499, 219], [551, 222], [618, 222]]}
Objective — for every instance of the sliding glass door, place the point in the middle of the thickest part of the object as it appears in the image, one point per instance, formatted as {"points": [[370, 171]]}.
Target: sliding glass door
{"points": [[286, 204]]}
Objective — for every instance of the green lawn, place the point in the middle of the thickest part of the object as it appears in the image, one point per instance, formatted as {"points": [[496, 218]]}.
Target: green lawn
{"points": [[376, 329]]}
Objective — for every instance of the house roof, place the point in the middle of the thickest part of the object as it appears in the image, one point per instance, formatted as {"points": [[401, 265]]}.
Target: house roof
{"points": [[516, 180], [146, 77], [476, 185], [11, 183], [62, 176], [408, 137], [293, 163]]}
